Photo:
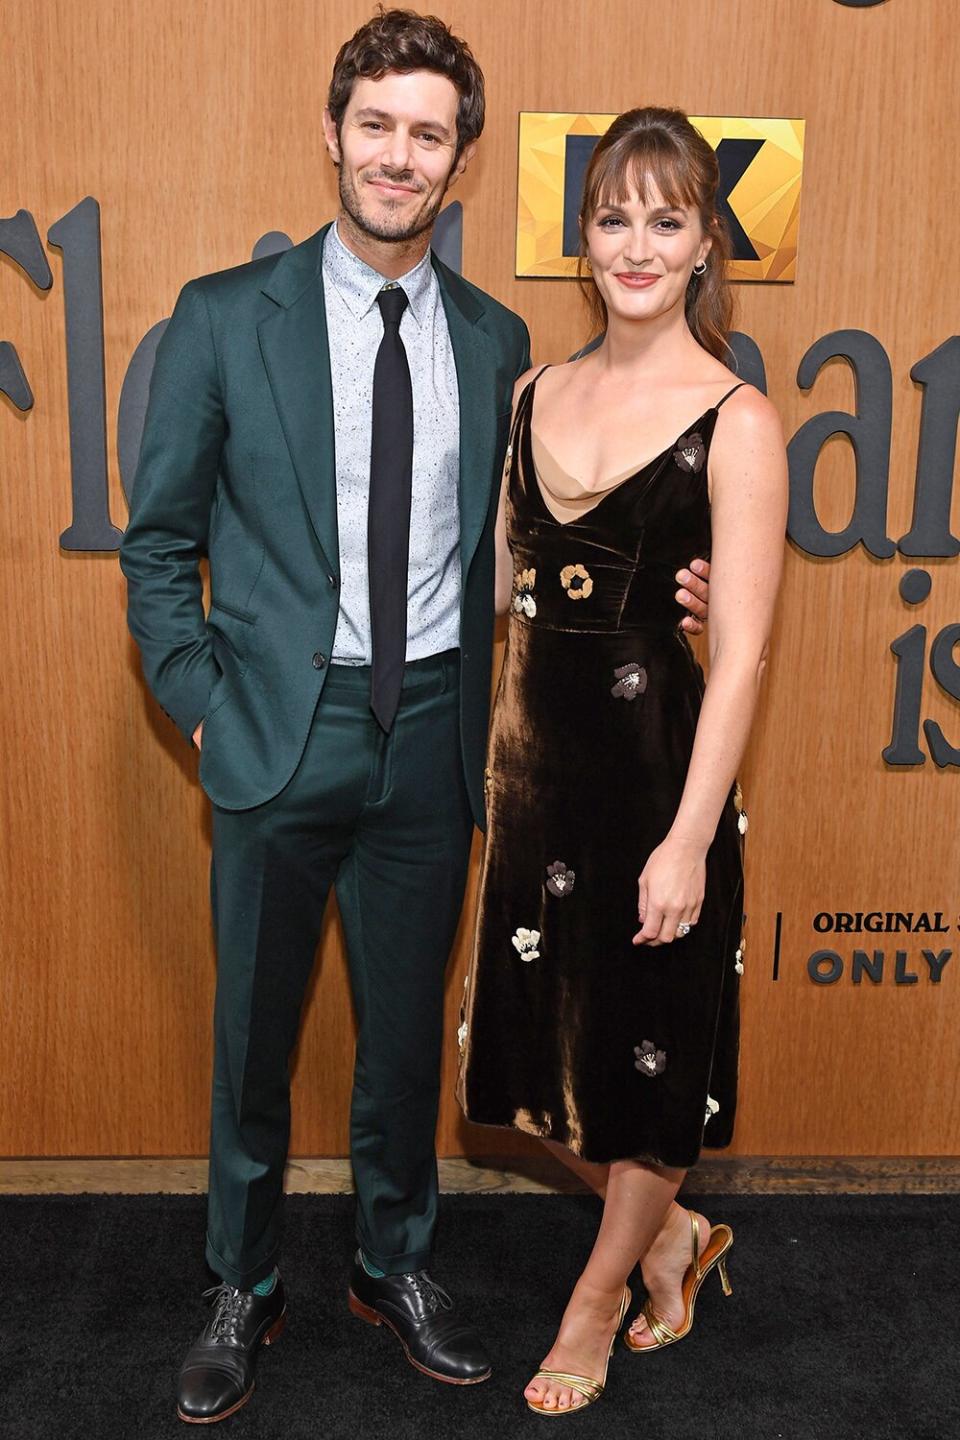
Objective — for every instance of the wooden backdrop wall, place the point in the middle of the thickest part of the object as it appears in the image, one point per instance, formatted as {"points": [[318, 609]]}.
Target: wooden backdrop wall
{"points": [[197, 128]]}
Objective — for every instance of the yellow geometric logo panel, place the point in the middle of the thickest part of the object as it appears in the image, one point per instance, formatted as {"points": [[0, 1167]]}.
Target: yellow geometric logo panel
{"points": [[761, 168]]}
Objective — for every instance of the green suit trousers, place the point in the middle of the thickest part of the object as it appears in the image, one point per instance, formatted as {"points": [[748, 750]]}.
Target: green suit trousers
{"points": [[386, 820]]}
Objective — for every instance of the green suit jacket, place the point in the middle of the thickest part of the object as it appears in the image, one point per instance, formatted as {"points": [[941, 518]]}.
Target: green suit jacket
{"points": [[237, 462]]}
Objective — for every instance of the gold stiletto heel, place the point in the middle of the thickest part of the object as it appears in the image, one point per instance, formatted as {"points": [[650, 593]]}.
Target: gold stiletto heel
{"points": [[590, 1389], [714, 1255]]}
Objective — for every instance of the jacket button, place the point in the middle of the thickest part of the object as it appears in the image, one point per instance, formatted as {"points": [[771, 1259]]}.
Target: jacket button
{"points": [[319, 661], [333, 581]]}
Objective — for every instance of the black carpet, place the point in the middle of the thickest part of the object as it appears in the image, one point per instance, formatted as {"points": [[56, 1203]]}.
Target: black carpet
{"points": [[843, 1323]]}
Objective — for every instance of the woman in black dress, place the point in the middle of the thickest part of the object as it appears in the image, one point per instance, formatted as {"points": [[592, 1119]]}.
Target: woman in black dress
{"points": [[601, 1011]]}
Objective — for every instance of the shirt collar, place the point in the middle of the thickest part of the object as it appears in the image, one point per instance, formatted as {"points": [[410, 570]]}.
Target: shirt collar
{"points": [[358, 284]]}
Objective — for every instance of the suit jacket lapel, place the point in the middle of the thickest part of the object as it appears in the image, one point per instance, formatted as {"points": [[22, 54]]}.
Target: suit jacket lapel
{"points": [[475, 359], [295, 351]]}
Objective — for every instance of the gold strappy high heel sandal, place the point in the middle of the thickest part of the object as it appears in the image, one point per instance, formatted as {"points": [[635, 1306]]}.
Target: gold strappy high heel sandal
{"points": [[714, 1255], [590, 1389]]}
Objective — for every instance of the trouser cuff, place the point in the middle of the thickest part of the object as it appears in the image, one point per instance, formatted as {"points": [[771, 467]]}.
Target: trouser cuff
{"points": [[394, 1264], [242, 1279]]}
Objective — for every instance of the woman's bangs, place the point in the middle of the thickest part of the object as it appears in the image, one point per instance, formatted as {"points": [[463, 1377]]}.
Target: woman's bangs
{"points": [[641, 166]]}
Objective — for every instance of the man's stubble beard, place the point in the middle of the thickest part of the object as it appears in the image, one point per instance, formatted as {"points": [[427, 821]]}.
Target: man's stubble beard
{"points": [[399, 234]]}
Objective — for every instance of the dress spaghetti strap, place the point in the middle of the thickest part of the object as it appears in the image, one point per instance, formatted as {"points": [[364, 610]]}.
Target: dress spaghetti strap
{"points": [[529, 387], [726, 397], [523, 404]]}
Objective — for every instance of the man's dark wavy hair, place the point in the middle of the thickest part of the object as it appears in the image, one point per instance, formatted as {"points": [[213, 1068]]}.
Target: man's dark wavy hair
{"points": [[401, 40]]}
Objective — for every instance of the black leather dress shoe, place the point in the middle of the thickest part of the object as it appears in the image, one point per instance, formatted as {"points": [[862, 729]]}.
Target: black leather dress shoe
{"points": [[216, 1378], [421, 1315]]}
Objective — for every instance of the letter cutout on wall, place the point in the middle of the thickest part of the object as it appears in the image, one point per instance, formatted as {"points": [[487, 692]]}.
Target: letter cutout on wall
{"points": [[939, 375], [77, 234], [13, 380], [20, 240], [869, 434]]}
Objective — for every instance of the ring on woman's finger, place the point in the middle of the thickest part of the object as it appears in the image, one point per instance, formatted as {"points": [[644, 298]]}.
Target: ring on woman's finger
{"points": [[684, 927]]}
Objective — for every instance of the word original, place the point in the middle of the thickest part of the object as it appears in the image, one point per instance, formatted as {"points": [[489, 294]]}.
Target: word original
{"points": [[889, 922]]}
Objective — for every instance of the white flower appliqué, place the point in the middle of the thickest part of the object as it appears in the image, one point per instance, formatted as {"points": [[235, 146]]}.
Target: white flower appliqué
{"points": [[523, 601], [738, 962], [462, 1035], [742, 822], [525, 942], [712, 1108]]}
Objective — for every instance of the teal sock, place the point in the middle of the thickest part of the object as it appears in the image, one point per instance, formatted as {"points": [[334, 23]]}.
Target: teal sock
{"points": [[265, 1287], [371, 1270]]}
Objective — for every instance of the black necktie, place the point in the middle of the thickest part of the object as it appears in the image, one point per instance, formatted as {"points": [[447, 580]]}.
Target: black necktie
{"points": [[388, 515]]}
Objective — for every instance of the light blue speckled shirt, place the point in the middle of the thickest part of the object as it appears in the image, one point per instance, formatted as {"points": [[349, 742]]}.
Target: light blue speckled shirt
{"points": [[355, 329]]}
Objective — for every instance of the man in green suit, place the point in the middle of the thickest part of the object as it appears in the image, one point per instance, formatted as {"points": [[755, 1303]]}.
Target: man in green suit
{"points": [[257, 450], [329, 426]]}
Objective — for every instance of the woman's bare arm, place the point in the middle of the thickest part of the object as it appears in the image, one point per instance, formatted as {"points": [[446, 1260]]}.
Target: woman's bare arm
{"points": [[748, 476]]}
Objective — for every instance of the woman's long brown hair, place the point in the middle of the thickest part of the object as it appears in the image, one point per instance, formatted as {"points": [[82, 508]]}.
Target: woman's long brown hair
{"points": [[660, 145]]}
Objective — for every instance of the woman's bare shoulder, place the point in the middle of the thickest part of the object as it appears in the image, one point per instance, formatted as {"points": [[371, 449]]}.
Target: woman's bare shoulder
{"points": [[748, 412], [524, 380], [558, 376], [748, 457], [530, 375]]}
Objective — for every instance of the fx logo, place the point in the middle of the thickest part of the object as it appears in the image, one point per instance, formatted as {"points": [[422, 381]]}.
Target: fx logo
{"points": [[760, 162]]}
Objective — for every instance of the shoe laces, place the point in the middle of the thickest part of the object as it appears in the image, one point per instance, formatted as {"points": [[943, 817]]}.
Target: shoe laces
{"points": [[229, 1308], [433, 1295]]}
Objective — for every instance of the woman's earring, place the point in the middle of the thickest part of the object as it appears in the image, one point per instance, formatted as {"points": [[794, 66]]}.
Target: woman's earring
{"points": [[700, 268]]}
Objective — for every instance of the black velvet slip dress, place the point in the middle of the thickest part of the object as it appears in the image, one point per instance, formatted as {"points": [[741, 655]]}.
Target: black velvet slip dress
{"points": [[569, 1031]]}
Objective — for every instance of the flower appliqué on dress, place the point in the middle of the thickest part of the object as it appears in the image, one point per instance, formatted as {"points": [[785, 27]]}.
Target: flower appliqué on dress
{"points": [[508, 463], [523, 601], [560, 880], [742, 822], [576, 580], [525, 942], [738, 959], [712, 1107], [690, 453], [462, 1032], [631, 682], [649, 1060]]}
